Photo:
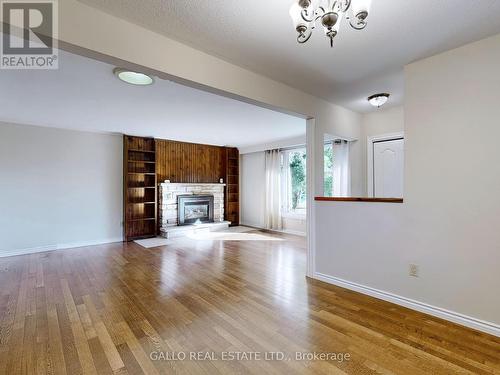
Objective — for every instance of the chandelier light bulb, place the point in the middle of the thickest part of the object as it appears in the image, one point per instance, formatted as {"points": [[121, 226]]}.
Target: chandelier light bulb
{"points": [[360, 7]]}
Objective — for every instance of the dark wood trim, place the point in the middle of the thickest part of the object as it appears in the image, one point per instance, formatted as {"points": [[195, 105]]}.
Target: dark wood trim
{"points": [[359, 199]]}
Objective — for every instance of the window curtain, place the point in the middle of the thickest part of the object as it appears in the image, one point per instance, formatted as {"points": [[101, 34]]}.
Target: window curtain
{"points": [[273, 201], [341, 169]]}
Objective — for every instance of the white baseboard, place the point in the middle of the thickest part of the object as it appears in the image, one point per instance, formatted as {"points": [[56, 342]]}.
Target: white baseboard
{"points": [[251, 225], [480, 325], [257, 226], [41, 249], [294, 232]]}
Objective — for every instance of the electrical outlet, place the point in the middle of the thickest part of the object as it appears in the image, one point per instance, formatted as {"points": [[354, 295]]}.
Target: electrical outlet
{"points": [[413, 270]]}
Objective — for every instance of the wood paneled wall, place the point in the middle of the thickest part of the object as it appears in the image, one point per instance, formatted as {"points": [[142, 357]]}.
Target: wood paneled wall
{"points": [[196, 163], [189, 162]]}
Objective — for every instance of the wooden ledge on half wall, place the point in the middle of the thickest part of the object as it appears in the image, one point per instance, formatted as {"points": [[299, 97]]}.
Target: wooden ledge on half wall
{"points": [[359, 199]]}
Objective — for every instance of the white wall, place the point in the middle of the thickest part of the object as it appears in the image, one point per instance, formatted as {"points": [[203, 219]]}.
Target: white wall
{"points": [[59, 188], [382, 121], [449, 222], [253, 189]]}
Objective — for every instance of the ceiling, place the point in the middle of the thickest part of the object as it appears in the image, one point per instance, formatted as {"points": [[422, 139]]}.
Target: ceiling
{"points": [[83, 94], [258, 35]]}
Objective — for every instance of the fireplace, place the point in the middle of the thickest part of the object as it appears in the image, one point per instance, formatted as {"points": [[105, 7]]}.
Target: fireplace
{"points": [[195, 209]]}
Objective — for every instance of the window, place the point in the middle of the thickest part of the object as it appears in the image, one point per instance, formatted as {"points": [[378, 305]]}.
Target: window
{"points": [[293, 178], [328, 169], [337, 173]]}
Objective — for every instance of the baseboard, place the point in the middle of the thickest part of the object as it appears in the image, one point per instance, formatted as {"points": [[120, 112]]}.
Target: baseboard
{"points": [[477, 324], [251, 225], [64, 246], [256, 226], [294, 232]]}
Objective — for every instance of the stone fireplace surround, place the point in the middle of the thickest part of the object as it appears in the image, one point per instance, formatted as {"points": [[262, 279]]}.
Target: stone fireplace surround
{"points": [[168, 205]]}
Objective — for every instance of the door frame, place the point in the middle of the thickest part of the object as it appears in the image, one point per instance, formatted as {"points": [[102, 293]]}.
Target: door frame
{"points": [[370, 140], [311, 192]]}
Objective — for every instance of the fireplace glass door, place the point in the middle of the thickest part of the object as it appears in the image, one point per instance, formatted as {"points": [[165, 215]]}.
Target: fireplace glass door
{"points": [[195, 209]]}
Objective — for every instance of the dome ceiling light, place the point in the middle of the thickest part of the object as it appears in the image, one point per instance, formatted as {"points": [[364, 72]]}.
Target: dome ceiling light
{"points": [[133, 78], [378, 100], [307, 13]]}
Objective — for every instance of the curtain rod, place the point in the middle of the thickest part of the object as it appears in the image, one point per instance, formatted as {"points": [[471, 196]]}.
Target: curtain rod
{"points": [[289, 148]]}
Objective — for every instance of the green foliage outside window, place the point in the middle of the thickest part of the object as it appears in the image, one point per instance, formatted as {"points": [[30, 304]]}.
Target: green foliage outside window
{"points": [[328, 170], [298, 179]]}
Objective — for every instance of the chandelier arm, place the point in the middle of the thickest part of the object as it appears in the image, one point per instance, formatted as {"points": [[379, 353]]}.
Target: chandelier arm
{"points": [[320, 12], [316, 14], [341, 6], [305, 17], [360, 25], [346, 5], [304, 37]]}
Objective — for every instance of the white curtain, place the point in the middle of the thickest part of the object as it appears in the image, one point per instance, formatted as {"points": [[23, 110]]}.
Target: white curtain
{"points": [[341, 169], [273, 201]]}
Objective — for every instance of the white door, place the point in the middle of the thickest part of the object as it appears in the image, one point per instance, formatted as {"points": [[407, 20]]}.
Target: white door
{"points": [[388, 164]]}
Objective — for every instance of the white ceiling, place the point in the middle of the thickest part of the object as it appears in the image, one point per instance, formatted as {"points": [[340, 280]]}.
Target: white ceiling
{"points": [[258, 34], [83, 94]]}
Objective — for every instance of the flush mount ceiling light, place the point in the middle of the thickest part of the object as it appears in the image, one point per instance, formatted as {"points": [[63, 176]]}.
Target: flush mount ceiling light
{"points": [[378, 100], [306, 13], [134, 78]]}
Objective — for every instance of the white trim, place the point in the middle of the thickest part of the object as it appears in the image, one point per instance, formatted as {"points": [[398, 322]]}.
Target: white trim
{"points": [[311, 208], [285, 231], [480, 325], [64, 246], [369, 154], [294, 232], [252, 225]]}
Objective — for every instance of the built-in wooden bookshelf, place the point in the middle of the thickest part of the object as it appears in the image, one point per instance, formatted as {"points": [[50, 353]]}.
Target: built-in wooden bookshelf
{"points": [[139, 193], [232, 197]]}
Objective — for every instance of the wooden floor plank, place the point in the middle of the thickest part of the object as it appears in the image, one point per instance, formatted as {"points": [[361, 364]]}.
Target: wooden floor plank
{"points": [[108, 309]]}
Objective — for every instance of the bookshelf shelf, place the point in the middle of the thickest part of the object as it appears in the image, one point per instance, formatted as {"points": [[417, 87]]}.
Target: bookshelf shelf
{"points": [[139, 188]]}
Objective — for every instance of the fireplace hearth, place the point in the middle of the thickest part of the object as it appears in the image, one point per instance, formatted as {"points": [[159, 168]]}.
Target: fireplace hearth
{"points": [[195, 209]]}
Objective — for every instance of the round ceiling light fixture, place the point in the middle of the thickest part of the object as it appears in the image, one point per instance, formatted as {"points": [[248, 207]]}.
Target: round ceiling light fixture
{"points": [[133, 78], [378, 100]]}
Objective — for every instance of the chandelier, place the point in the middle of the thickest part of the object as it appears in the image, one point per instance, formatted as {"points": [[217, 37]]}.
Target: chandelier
{"points": [[307, 13]]}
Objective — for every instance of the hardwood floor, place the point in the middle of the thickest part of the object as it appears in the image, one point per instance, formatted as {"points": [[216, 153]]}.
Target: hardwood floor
{"points": [[113, 308]]}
